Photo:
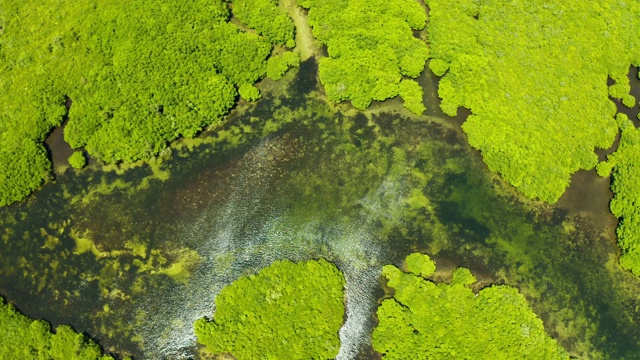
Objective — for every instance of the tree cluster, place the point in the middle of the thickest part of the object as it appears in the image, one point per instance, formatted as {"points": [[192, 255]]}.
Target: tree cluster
{"points": [[139, 74], [624, 166], [278, 65], [25, 338], [534, 75], [286, 311], [449, 321], [77, 160], [267, 18], [371, 47]]}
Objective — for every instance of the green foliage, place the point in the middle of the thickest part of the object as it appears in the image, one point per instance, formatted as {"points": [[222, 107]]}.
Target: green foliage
{"points": [[626, 188], [23, 167], [371, 46], [249, 92], [420, 264], [77, 160], [604, 169], [285, 311], [25, 338], [278, 65], [449, 321], [139, 75], [462, 276], [628, 100], [438, 66], [240, 57], [534, 75], [411, 92], [267, 18]]}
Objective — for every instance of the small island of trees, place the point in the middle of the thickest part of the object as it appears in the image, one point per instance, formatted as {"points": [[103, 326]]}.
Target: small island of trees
{"points": [[449, 321]]}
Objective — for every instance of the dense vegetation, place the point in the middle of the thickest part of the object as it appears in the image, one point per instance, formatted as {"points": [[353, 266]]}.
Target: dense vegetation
{"points": [[25, 338], [77, 160], [534, 75], [449, 321], [625, 163], [139, 74], [267, 18], [371, 47], [278, 65], [285, 311]]}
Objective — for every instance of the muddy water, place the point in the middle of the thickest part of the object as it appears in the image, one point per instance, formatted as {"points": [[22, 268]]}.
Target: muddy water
{"points": [[59, 150], [589, 195], [134, 258]]}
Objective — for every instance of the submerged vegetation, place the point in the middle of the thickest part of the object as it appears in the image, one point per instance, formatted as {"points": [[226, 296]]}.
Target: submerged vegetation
{"points": [[138, 75], [285, 311], [25, 338], [449, 321], [371, 47], [534, 75]]}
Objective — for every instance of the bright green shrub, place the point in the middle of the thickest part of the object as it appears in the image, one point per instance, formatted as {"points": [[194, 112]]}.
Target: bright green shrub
{"points": [[267, 18], [604, 169], [77, 160], [411, 92], [626, 188], [462, 276], [534, 75], [628, 100], [371, 47], [24, 165], [139, 74], [420, 264], [278, 65], [249, 92], [24, 338], [285, 311], [449, 321], [438, 66], [240, 57]]}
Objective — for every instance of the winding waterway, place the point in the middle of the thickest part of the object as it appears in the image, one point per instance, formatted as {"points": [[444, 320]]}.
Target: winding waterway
{"points": [[134, 256]]}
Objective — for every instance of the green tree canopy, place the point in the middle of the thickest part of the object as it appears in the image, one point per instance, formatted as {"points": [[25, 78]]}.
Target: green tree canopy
{"points": [[25, 338], [625, 164], [139, 74], [449, 321], [371, 47], [534, 75], [285, 311], [278, 65], [267, 18], [77, 160]]}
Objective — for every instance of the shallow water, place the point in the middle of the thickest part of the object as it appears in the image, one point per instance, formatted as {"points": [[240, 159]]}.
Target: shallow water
{"points": [[361, 191]]}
